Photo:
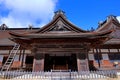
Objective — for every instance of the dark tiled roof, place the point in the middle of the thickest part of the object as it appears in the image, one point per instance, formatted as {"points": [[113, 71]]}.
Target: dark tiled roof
{"points": [[113, 41], [4, 35]]}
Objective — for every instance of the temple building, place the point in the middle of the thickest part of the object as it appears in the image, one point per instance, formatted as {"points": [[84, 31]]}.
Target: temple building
{"points": [[60, 45]]}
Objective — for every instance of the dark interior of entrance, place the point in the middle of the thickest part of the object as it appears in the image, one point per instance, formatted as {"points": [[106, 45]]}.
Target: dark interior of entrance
{"points": [[29, 63], [60, 62]]}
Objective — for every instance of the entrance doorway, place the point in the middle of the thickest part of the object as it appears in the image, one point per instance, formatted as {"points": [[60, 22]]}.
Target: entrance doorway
{"points": [[91, 66], [60, 62], [29, 63]]}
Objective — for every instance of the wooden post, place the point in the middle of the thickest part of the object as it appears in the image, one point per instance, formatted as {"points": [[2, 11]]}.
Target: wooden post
{"points": [[78, 63], [20, 55], [87, 59], [38, 64], [82, 63], [98, 57], [23, 54]]}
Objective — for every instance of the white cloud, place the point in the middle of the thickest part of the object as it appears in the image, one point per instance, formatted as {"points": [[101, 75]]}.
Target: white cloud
{"points": [[118, 18], [24, 12]]}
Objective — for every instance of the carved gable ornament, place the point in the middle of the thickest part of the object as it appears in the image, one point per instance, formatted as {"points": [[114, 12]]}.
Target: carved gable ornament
{"points": [[59, 26]]}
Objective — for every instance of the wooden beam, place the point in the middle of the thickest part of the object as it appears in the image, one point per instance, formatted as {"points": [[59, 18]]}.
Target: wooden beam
{"points": [[60, 49]]}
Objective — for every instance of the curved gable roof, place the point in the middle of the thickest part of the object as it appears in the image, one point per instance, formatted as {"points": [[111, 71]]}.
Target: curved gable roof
{"points": [[106, 24], [60, 23]]}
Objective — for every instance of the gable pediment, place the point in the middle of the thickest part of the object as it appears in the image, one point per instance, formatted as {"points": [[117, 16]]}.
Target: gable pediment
{"points": [[60, 24]]}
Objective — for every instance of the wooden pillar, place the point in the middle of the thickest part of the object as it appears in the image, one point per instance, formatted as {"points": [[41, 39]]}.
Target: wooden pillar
{"points": [[38, 64], [78, 63], [98, 57], [87, 59], [23, 57], [9, 51], [20, 55], [82, 61]]}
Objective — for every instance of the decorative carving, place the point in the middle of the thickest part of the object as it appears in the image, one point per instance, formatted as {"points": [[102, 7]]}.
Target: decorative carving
{"points": [[3, 27], [59, 26]]}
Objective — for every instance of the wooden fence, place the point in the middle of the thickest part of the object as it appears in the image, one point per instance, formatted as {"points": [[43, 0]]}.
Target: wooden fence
{"points": [[59, 75]]}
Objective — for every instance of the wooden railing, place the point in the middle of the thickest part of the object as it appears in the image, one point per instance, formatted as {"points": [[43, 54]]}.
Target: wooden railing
{"points": [[59, 74]]}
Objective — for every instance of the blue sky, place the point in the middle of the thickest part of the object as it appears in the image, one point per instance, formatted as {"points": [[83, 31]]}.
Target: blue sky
{"points": [[87, 13], [83, 13]]}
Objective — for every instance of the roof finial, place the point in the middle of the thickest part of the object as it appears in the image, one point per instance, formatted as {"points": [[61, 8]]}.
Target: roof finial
{"points": [[3, 27], [30, 26], [111, 17], [59, 12]]}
